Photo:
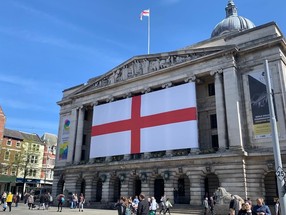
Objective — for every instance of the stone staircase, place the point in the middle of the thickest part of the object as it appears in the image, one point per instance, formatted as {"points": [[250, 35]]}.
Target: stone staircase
{"points": [[187, 209]]}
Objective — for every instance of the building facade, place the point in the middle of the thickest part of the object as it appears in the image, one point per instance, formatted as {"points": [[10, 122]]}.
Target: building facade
{"points": [[234, 148]]}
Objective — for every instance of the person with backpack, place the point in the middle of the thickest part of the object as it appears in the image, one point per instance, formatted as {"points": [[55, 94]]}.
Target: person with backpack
{"points": [[61, 200]]}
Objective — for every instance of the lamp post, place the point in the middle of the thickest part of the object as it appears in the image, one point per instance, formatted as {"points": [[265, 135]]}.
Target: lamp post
{"points": [[275, 140]]}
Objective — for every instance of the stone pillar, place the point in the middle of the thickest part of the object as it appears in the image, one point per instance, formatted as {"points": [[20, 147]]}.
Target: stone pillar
{"points": [[105, 189], [220, 110], [89, 181], [73, 125], [79, 135], [169, 186], [196, 189], [232, 105]]}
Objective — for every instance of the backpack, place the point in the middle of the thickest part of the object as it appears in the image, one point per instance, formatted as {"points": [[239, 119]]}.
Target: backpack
{"points": [[51, 198], [62, 199]]}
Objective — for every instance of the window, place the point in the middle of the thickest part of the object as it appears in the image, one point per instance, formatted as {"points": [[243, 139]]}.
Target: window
{"points": [[213, 121], [33, 159], [13, 172], [37, 147], [215, 145], [9, 142], [17, 157], [7, 155], [18, 144], [211, 89], [5, 171]]}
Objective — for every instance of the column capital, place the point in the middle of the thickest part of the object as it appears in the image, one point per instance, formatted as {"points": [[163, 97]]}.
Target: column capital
{"points": [[216, 72], [146, 90], [191, 78], [167, 85]]}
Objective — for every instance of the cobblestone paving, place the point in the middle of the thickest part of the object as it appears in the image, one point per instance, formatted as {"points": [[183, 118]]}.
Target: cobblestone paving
{"points": [[23, 210]]}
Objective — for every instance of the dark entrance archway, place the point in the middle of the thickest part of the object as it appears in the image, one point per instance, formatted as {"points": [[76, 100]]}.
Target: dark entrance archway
{"points": [[98, 195], [80, 186], [137, 187], [211, 184], [158, 188], [271, 190], [60, 187], [116, 189], [183, 194]]}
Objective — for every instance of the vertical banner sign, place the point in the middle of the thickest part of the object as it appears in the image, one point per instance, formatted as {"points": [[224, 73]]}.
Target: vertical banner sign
{"points": [[156, 121], [65, 139], [259, 105]]}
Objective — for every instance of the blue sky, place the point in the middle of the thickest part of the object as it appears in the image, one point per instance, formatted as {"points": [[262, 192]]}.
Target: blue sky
{"points": [[47, 46]]}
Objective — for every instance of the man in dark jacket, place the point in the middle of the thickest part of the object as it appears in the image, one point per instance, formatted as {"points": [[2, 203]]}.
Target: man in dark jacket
{"points": [[143, 206], [120, 206]]}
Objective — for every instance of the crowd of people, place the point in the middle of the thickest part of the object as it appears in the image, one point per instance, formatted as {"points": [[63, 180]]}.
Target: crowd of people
{"points": [[237, 206], [143, 206]]}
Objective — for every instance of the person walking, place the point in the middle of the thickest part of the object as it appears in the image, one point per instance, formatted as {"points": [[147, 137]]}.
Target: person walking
{"points": [[206, 205], [143, 206], [162, 204], [120, 205], [30, 200], [153, 206], [9, 201], [81, 202], [61, 200], [168, 206]]}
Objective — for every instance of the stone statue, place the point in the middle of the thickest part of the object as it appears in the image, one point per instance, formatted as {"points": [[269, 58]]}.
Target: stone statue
{"points": [[224, 197]]}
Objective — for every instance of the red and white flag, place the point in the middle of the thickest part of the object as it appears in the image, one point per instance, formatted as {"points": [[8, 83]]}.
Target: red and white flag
{"points": [[157, 121], [144, 13]]}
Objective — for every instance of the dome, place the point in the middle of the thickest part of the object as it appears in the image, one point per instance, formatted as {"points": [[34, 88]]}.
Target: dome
{"points": [[232, 22]]}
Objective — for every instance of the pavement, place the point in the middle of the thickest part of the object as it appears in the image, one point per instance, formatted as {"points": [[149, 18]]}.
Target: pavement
{"points": [[23, 210]]}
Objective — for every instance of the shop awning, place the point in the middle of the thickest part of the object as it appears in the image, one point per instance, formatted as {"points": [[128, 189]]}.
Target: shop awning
{"points": [[7, 179]]}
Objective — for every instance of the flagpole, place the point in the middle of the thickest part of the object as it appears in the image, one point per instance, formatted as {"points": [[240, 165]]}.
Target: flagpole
{"points": [[149, 32]]}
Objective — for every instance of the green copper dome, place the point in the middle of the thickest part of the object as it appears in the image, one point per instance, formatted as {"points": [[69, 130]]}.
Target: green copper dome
{"points": [[232, 22]]}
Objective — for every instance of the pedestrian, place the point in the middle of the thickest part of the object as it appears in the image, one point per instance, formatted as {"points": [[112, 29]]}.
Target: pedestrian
{"points": [[143, 205], [9, 201], [211, 205], [17, 199], [206, 205], [42, 202], [277, 207], [121, 206], [81, 202], [153, 206], [245, 209], [61, 200], [261, 208], [168, 206], [162, 204], [3, 197], [49, 200], [30, 200]]}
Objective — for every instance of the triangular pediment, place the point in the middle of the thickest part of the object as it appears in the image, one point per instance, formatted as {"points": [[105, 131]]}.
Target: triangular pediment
{"points": [[144, 64]]}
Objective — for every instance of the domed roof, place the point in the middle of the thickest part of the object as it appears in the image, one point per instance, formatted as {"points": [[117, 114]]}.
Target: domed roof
{"points": [[232, 22]]}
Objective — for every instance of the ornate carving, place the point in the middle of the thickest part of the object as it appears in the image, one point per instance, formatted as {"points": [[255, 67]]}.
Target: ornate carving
{"points": [[140, 67]]}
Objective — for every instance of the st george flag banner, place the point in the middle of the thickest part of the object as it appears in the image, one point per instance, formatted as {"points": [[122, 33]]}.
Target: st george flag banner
{"points": [[144, 13], [157, 121]]}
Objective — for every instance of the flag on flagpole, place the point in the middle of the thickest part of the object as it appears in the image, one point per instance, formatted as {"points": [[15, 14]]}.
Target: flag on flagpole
{"points": [[144, 13]]}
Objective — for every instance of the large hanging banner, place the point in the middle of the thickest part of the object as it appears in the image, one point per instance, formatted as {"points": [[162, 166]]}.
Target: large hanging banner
{"points": [[259, 105], [157, 121], [64, 142]]}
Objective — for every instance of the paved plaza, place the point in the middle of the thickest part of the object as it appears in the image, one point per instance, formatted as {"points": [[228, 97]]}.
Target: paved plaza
{"points": [[23, 210]]}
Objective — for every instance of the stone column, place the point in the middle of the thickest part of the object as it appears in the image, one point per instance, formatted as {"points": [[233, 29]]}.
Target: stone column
{"points": [[220, 110], [89, 180], [79, 135], [232, 105], [196, 189], [105, 189], [73, 125]]}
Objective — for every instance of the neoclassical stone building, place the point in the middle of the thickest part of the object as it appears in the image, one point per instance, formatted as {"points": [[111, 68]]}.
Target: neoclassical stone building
{"points": [[234, 147]]}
